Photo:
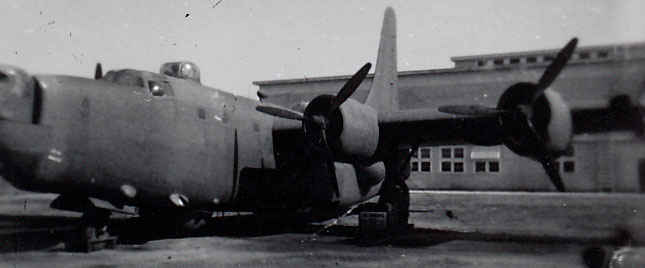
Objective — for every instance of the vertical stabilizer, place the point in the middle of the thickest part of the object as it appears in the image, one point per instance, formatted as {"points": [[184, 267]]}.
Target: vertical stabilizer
{"points": [[384, 94]]}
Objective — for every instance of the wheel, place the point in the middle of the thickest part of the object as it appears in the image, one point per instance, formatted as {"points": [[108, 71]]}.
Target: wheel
{"points": [[80, 240], [93, 228]]}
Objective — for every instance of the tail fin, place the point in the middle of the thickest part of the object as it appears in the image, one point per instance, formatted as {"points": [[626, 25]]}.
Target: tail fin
{"points": [[384, 94]]}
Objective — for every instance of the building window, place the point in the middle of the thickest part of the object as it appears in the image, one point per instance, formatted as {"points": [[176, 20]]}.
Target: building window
{"points": [[584, 55], [548, 58], [458, 153], [446, 153], [452, 159], [603, 54], [515, 61], [426, 166], [458, 167], [425, 153], [531, 60], [421, 160], [446, 166], [480, 166], [567, 163], [498, 61], [493, 166], [486, 159]]}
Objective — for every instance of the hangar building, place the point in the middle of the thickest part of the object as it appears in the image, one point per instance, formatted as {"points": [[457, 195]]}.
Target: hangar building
{"points": [[613, 162]]}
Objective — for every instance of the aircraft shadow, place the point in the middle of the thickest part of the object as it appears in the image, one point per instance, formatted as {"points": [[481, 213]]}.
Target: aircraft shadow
{"points": [[136, 230], [26, 233], [20, 233], [422, 237]]}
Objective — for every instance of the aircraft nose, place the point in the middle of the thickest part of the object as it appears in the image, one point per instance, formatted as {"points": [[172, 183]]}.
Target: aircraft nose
{"points": [[22, 143], [23, 146], [17, 91]]}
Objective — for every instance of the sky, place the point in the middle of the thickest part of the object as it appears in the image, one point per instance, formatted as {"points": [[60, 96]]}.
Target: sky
{"points": [[235, 42]]}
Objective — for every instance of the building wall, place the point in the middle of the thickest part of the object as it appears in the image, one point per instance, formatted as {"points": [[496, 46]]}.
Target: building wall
{"points": [[607, 164], [604, 162]]}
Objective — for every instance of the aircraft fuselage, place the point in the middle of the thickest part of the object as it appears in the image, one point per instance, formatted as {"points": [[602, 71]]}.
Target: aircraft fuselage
{"points": [[123, 144]]}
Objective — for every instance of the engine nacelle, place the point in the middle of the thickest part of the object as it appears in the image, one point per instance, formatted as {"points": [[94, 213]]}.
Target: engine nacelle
{"points": [[357, 183], [351, 131], [545, 126]]}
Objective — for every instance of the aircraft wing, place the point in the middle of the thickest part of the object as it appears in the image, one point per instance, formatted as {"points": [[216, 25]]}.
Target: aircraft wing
{"points": [[427, 126], [430, 126]]}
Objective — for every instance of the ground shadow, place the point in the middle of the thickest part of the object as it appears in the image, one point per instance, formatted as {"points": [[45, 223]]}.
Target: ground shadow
{"points": [[137, 230], [24, 233]]}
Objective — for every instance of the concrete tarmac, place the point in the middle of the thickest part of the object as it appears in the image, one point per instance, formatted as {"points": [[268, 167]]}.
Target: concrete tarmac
{"points": [[31, 233]]}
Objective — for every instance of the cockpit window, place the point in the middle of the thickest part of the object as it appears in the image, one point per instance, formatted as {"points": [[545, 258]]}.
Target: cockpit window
{"points": [[159, 88], [125, 78], [182, 70]]}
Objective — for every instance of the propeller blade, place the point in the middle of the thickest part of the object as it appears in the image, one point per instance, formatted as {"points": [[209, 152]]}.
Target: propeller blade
{"points": [[98, 71], [350, 86], [261, 95], [551, 168], [470, 110], [554, 69], [280, 112]]}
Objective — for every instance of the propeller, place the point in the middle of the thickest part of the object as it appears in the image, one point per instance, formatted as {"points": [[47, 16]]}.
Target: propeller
{"points": [[551, 168], [98, 71], [554, 69], [279, 111], [345, 92], [350, 87], [519, 103]]}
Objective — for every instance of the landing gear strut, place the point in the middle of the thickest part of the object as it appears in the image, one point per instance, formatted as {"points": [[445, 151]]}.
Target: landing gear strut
{"points": [[93, 233], [390, 215]]}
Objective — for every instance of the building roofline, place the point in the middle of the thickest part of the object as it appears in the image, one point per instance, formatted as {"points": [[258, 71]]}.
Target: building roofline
{"points": [[546, 51], [614, 48]]}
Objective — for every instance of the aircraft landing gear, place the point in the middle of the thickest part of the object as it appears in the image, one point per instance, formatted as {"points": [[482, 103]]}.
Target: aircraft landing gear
{"points": [[92, 234], [389, 217]]}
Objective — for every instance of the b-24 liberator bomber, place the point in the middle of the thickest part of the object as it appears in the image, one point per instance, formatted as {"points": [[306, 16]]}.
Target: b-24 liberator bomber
{"points": [[178, 150]]}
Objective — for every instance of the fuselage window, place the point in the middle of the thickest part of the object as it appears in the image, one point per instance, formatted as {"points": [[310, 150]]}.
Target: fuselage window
{"points": [[155, 89], [159, 89]]}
